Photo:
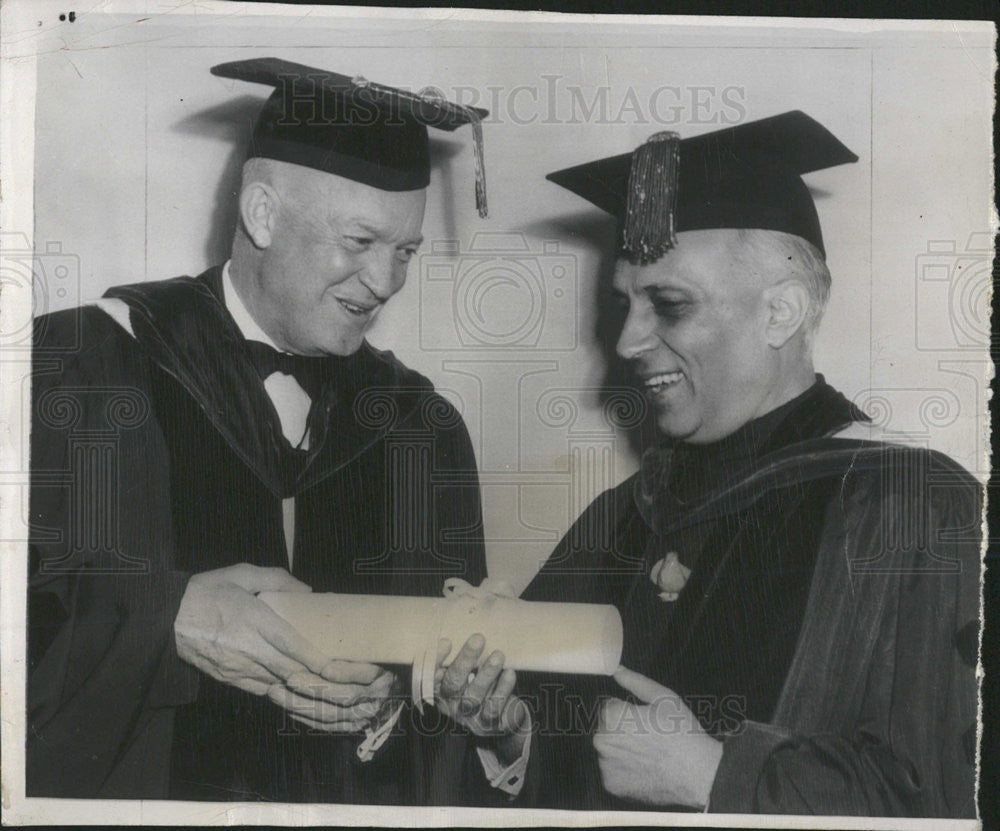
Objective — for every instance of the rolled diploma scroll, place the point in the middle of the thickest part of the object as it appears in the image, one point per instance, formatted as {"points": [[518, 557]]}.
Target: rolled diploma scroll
{"points": [[545, 637]]}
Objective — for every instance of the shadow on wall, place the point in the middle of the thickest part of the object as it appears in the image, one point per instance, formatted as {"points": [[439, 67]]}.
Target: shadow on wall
{"points": [[443, 152], [598, 232], [232, 123]]}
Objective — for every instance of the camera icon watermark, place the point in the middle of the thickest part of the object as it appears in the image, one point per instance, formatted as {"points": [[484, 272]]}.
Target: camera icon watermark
{"points": [[52, 277], [953, 295], [502, 295]]}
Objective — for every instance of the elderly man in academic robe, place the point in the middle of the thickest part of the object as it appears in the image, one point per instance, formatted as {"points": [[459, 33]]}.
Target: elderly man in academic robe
{"points": [[197, 441], [800, 596]]}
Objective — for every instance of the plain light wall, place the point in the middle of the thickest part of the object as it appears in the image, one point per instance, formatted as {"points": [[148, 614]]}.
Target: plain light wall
{"points": [[138, 149]]}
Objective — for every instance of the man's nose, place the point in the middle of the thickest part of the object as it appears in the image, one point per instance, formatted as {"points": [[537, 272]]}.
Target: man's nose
{"points": [[637, 336], [381, 274]]}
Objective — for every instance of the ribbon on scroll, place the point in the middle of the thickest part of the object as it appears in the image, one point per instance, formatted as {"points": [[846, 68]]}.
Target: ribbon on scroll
{"points": [[578, 638]]}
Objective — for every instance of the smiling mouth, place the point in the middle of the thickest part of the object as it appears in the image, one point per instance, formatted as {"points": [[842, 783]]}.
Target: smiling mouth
{"points": [[658, 383], [355, 309]]}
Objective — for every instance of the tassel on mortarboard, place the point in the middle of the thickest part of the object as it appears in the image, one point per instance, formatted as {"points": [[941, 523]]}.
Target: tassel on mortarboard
{"points": [[471, 115], [648, 230], [477, 144]]}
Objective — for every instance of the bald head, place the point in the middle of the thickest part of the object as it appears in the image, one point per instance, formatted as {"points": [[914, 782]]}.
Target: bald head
{"points": [[295, 185]]}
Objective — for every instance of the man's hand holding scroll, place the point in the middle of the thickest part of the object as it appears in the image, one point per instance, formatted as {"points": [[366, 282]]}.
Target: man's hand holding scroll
{"points": [[479, 695], [224, 630]]}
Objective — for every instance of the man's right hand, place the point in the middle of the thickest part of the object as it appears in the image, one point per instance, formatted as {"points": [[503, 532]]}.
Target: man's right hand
{"points": [[224, 630]]}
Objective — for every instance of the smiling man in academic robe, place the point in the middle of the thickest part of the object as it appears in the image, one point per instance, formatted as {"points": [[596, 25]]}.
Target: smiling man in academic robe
{"points": [[799, 595], [197, 441]]}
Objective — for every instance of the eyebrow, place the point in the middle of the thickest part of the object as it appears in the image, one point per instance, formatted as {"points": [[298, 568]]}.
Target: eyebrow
{"points": [[368, 229]]}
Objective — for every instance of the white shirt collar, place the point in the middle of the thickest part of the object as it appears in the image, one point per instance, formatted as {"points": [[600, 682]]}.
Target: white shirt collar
{"points": [[243, 319]]}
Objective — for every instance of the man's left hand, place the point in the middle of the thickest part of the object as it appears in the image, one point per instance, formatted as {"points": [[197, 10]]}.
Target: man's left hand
{"points": [[655, 752], [479, 696]]}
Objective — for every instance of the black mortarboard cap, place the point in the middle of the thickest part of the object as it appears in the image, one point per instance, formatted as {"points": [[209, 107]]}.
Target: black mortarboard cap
{"points": [[351, 127], [746, 176]]}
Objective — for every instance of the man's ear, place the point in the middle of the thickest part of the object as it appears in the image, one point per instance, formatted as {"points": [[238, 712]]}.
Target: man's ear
{"points": [[259, 212], [787, 305]]}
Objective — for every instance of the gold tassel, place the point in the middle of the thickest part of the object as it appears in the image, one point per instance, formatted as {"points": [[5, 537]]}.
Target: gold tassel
{"points": [[649, 231], [477, 143]]}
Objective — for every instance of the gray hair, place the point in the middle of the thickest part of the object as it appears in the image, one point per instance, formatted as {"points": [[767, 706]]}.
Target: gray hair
{"points": [[775, 255]]}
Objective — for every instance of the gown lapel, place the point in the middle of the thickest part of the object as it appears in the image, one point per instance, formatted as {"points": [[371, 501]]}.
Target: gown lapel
{"points": [[184, 327]]}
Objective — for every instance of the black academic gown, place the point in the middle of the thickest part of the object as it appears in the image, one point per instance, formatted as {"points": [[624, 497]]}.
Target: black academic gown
{"points": [[827, 632], [158, 454]]}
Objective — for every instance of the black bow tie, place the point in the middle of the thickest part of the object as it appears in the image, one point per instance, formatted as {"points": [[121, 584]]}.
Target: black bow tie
{"points": [[311, 373]]}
